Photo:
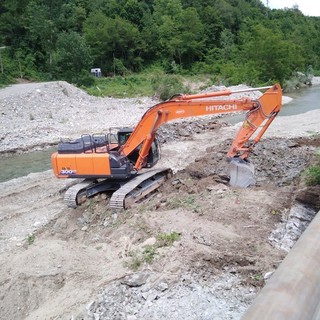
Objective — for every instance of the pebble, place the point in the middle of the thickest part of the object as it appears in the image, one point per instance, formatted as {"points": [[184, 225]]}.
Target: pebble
{"points": [[149, 242], [135, 279], [268, 275], [203, 301]]}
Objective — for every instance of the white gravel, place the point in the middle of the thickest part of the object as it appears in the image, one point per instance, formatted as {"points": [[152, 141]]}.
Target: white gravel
{"points": [[43, 113]]}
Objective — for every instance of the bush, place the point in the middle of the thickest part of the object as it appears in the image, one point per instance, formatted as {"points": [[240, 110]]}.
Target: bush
{"points": [[297, 80], [86, 79], [165, 86], [5, 80], [312, 174]]}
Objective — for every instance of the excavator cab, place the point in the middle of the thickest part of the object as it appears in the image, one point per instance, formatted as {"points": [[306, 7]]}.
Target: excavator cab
{"points": [[154, 152], [123, 135]]}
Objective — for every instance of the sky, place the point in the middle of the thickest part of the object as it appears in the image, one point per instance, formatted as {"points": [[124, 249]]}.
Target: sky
{"points": [[307, 7]]}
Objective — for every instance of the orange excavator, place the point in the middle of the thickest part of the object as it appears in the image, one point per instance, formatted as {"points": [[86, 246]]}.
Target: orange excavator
{"points": [[121, 162]]}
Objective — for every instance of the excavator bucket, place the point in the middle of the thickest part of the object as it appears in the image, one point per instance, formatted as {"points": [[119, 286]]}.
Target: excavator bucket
{"points": [[241, 173]]}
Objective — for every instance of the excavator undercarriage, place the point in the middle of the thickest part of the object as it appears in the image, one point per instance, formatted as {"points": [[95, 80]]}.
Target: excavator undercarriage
{"points": [[124, 193]]}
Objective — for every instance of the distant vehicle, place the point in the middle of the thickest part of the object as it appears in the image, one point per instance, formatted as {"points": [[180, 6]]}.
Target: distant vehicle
{"points": [[96, 72]]}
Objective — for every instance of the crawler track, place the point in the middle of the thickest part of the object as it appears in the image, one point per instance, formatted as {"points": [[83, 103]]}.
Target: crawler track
{"points": [[126, 194], [72, 195], [138, 188]]}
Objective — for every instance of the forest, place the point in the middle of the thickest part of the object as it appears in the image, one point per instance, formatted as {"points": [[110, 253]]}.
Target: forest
{"points": [[233, 41]]}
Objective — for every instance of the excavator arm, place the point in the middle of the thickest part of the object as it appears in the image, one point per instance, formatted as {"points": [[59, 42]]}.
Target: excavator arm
{"points": [[260, 113]]}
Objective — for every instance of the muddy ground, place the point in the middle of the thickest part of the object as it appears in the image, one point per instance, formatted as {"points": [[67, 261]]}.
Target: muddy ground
{"points": [[195, 249]]}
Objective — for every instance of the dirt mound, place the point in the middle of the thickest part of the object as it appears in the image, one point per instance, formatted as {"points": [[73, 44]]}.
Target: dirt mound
{"points": [[39, 114], [186, 129], [277, 162]]}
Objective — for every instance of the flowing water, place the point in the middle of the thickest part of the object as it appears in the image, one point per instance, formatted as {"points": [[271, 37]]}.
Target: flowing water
{"points": [[303, 101], [14, 166]]}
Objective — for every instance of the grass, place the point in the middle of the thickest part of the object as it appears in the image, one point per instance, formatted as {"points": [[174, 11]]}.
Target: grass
{"points": [[135, 260], [167, 239], [312, 174], [151, 83], [30, 239], [149, 252], [122, 87], [187, 202]]}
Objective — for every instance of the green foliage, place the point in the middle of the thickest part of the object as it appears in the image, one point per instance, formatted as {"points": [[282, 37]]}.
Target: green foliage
{"points": [[114, 42], [167, 239], [129, 86], [234, 41], [135, 260], [165, 86], [149, 252], [5, 79], [312, 174], [270, 53], [72, 57], [187, 202], [30, 239], [297, 80], [85, 79]]}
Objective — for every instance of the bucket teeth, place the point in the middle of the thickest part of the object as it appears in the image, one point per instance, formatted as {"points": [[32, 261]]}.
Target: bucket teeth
{"points": [[241, 173]]}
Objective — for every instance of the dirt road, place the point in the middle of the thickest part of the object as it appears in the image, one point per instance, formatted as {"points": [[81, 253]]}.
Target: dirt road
{"points": [[197, 249]]}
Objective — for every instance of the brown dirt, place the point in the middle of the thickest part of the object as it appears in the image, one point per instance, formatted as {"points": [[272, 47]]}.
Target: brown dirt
{"points": [[222, 229]]}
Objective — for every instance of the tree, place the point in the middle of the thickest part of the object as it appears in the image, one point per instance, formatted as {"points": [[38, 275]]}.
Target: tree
{"points": [[113, 38], [179, 31], [72, 56], [213, 23], [42, 26], [12, 23], [274, 56], [191, 33], [134, 12]]}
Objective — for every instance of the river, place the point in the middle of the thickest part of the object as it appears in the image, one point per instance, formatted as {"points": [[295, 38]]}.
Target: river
{"points": [[304, 100], [14, 166]]}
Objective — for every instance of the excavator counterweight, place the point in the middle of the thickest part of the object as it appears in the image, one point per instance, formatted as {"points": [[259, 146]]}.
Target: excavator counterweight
{"points": [[120, 162]]}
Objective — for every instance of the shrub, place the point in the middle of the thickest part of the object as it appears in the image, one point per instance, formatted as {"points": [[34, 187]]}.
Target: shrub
{"points": [[86, 79], [165, 86], [312, 174]]}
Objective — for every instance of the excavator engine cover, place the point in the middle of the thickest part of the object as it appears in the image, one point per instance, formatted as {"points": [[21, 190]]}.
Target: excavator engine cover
{"points": [[241, 173]]}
